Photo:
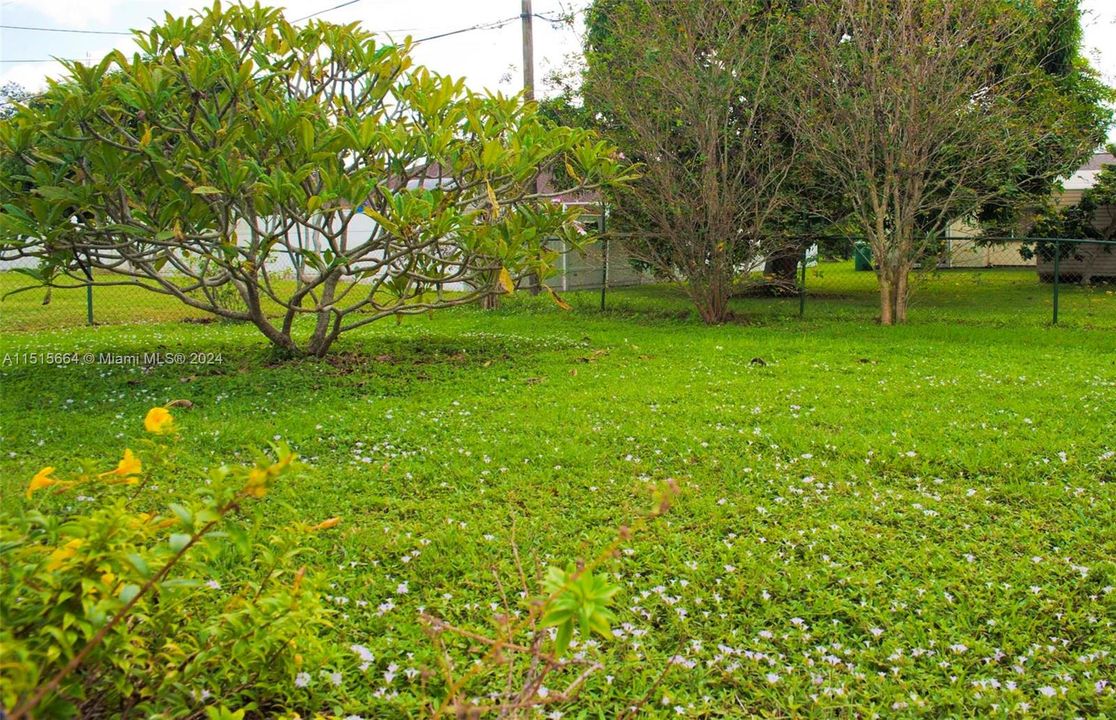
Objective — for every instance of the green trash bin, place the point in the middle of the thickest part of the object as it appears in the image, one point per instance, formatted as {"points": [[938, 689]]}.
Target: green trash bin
{"points": [[862, 256]]}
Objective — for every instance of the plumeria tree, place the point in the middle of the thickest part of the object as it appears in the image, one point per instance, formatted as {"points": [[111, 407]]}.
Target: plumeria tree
{"points": [[234, 139]]}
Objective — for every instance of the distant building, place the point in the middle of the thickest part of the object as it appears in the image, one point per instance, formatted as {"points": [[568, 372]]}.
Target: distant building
{"points": [[962, 252]]}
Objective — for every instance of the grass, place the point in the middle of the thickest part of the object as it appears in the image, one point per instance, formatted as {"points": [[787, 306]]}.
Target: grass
{"points": [[910, 521], [834, 291]]}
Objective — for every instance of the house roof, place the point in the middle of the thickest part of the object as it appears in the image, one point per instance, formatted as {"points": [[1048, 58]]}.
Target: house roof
{"points": [[1086, 176]]}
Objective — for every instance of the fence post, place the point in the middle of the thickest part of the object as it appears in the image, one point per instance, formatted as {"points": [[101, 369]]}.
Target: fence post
{"points": [[604, 260], [89, 297], [802, 285], [1057, 275]]}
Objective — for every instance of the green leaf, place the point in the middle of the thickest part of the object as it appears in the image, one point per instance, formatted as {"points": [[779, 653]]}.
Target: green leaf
{"points": [[205, 190], [306, 134], [562, 640], [129, 592], [178, 541], [139, 564], [184, 515]]}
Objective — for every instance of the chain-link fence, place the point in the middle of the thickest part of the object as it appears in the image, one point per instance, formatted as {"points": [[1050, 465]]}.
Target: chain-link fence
{"points": [[111, 300], [24, 305], [1037, 280]]}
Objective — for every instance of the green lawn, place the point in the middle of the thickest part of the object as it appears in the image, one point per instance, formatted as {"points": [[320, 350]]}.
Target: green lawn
{"points": [[911, 521], [991, 297]]}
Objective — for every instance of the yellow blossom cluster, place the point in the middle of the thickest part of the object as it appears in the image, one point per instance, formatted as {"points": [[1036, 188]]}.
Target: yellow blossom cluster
{"points": [[158, 421]]}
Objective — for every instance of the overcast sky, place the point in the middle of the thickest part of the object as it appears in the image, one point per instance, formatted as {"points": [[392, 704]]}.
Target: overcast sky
{"points": [[489, 58]]}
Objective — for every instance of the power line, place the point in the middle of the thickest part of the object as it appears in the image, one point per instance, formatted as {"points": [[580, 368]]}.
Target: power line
{"points": [[328, 9], [65, 30], [494, 25], [45, 60], [482, 26]]}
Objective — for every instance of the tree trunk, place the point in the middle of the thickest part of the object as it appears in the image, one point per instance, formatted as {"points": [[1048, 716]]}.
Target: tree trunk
{"points": [[902, 290], [281, 339], [491, 300], [319, 344], [712, 301], [322, 337], [887, 297]]}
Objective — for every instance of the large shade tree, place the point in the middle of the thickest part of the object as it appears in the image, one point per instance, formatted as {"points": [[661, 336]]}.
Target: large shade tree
{"points": [[691, 90], [234, 137], [920, 112]]}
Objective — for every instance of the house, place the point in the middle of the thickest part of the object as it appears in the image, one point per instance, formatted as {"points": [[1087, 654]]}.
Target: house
{"points": [[599, 264], [595, 265], [963, 252]]}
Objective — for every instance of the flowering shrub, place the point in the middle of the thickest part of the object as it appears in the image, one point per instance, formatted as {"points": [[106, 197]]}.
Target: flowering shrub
{"points": [[118, 610], [128, 610]]}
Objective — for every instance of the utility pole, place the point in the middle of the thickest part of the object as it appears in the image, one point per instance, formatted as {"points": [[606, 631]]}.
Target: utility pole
{"points": [[528, 52], [525, 15]]}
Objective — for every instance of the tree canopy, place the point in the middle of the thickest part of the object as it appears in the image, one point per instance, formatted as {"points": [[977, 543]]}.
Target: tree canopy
{"points": [[691, 90], [901, 117], [234, 137], [921, 112]]}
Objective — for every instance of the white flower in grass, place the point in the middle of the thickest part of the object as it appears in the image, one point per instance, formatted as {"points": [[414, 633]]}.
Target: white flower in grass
{"points": [[772, 678], [876, 632], [1047, 691], [302, 679]]}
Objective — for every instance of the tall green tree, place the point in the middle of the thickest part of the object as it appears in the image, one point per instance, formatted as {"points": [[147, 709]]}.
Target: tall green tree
{"points": [[691, 90], [233, 137], [920, 112]]}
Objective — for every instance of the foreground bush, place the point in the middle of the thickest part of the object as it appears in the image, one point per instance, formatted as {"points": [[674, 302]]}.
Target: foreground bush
{"points": [[112, 607]]}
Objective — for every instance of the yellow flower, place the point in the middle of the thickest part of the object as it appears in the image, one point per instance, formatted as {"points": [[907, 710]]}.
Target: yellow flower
{"points": [[257, 482], [158, 421], [42, 479], [59, 557], [282, 464], [128, 466]]}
